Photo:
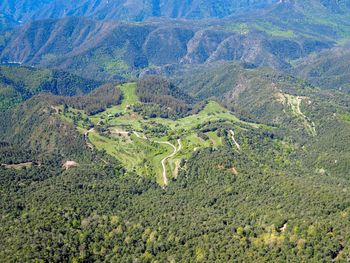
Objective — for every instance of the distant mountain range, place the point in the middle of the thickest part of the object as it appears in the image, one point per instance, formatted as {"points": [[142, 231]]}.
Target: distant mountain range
{"points": [[262, 33], [111, 49], [137, 10]]}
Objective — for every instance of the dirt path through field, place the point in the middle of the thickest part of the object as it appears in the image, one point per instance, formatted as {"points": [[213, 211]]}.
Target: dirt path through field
{"points": [[140, 136], [164, 160], [180, 145], [165, 178]]}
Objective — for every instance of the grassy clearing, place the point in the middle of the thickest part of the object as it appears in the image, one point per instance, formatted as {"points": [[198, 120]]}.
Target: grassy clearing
{"points": [[129, 99], [345, 117], [269, 28], [137, 155], [213, 111], [144, 156]]}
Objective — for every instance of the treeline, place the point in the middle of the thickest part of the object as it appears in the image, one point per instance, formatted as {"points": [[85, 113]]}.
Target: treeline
{"points": [[162, 98], [96, 101], [13, 154], [34, 125], [67, 84]]}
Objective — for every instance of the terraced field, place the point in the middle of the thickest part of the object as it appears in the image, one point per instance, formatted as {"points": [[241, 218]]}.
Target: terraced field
{"points": [[132, 139]]}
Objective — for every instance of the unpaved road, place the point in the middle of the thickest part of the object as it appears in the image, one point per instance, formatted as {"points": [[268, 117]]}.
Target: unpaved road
{"points": [[18, 166], [180, 145], [165, 178], [234, 140], [140, 136], [86, 135]]}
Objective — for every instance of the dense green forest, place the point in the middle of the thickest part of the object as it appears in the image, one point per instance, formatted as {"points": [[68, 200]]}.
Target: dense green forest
{"points": [[174, 131], [19, 83], [260, 211], [161, 98], [260, 202]]}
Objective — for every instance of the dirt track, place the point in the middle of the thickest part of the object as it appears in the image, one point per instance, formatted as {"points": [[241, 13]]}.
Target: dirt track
{"points": [[165, 178]]}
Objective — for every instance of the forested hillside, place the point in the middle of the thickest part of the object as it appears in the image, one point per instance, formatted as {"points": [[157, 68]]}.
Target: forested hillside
{"points": [[299, 110], [174, 131], [114, 50], [252, 197], [26, 10], [269, 33], [20, 83], [329, 69]]}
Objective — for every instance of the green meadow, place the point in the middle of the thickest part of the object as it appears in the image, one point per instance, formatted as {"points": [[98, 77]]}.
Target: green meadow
{"points": [[122, 134]]}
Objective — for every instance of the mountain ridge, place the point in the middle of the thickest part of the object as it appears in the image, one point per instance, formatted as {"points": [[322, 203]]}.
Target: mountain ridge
{"points": [[127, 10], [111, 48], [135, 10]]}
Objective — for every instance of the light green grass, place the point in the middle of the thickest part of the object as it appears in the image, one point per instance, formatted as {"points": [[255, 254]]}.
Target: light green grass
{"points": [[295, 102], [137, 155], [345, 117], [267, 27], [144, 156], [213, 111], [129, 98], [129, 93]]}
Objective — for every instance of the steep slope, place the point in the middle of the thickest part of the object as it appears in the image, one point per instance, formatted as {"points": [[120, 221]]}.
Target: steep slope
{"points": [[295, 19], [32, 125], [298, 110], [35, 124], [19, 83], [113, 50], [258, 93], [27, 10], [329, 69], [6, 22]]}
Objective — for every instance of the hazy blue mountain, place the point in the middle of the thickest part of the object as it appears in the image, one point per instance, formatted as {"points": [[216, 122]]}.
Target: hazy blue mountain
{"points": [[26, 10], [137, 10]]}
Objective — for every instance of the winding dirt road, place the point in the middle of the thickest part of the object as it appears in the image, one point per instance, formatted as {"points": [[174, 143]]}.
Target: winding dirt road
{"points": [[180, 145], [176, 150], [165, 178]]}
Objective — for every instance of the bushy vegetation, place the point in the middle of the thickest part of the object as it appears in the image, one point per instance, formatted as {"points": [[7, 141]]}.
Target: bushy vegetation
{"points": [[19, 83], [163, 98], [96, 101], [270, 186], [328, 69], [223, 205]]}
